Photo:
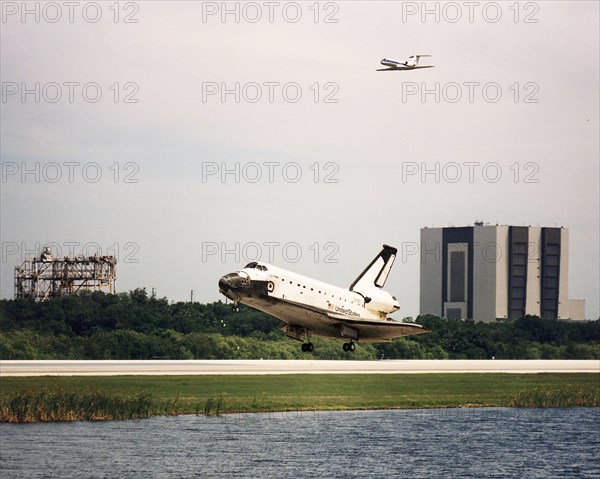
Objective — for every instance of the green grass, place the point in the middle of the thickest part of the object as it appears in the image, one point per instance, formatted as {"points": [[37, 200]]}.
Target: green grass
{"points": [[231, 393]]}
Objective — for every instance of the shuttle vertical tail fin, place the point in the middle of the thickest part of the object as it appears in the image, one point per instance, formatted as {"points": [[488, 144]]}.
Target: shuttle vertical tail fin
{"points": [[378, 270]]}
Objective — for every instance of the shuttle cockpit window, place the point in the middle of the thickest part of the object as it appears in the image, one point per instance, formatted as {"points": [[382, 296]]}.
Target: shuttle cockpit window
{"points": [[255, 265]]}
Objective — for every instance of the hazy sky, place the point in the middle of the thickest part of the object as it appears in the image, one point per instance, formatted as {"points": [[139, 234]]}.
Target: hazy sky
{"points": [[190, 137]]}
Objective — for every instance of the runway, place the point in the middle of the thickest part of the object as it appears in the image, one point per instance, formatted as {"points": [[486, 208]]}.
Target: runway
{"points": [[206, 367]]}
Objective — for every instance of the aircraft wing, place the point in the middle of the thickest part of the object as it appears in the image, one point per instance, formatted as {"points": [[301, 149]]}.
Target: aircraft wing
{"points": [[329, 323], [378, 330], [402, 68]]}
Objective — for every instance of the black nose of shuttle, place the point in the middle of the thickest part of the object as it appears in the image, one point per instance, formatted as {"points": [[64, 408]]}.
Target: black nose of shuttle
{"points": [[231, 282], [227, 282], [224, 283]]}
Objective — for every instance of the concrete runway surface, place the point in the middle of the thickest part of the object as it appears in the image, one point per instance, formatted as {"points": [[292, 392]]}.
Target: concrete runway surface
{"points": [[171, 368]]}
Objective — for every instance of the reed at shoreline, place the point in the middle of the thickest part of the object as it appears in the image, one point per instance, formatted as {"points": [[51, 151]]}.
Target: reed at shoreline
{"points": [[51, 399]]}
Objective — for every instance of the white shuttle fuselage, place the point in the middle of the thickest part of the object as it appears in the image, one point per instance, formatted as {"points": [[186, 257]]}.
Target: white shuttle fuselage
{"points": [[308, 306]]}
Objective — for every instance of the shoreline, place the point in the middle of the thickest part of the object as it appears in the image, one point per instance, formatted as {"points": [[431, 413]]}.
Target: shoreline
{"points": [[45, 398]]}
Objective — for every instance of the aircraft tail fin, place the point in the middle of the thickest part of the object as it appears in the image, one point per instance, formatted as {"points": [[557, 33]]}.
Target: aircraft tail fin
{"points": [[378, 270], [414, 59]]}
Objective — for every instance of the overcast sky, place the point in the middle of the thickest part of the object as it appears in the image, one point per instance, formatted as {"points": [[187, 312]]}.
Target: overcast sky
{"points": [[268, 126]]}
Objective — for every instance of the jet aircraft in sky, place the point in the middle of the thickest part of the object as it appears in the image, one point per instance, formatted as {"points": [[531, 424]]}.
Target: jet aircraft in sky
{"points": [[411, 64], [310, 307]]}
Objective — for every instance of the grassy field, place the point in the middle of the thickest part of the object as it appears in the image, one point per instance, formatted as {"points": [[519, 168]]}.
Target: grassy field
{"points": [[228, 394]]}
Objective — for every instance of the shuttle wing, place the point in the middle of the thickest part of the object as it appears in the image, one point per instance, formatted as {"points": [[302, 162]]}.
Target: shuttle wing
{"points": [[328, 323], [375, 331]]}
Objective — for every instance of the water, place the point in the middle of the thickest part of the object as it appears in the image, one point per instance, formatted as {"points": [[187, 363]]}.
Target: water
{"points": [[445, 443]]}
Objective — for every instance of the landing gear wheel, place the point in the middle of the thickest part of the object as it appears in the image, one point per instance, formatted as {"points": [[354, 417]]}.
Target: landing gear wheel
{"points": [[307, 347], [349, 347], [352, 346], [235, 308]]}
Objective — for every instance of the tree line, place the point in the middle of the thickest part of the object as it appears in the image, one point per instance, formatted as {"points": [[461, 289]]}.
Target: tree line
{"points": [[134, 325]]}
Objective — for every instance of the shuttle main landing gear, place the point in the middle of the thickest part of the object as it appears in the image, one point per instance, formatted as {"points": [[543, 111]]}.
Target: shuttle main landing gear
{"points": [[349, 346], [307, 347], [235, 307]]}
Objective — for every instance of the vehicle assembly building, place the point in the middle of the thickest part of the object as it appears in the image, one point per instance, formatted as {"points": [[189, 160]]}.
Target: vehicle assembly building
{"points": [[490, 272], [48, 277]]}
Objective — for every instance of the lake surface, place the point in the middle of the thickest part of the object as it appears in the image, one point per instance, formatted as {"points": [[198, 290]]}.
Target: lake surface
{"points": [[493, 442]]}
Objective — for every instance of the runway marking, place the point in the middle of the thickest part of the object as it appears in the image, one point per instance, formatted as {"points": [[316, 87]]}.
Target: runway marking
{"points": [[262, 367]]}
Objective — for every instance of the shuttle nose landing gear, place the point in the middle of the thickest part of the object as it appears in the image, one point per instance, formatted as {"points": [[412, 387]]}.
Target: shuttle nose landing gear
{"points": [[349, 346], [235, 307], [307, 347]]}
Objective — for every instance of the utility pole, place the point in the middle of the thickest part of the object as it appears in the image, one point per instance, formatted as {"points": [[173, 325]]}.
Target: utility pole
{"points": [[192, 296]]}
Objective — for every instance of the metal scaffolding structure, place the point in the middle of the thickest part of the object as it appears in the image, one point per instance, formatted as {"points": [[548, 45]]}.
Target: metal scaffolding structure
{"points": [[47, 277]]}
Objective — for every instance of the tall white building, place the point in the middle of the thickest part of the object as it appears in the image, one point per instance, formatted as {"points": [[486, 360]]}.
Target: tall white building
{"points": [[485, 272]]}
